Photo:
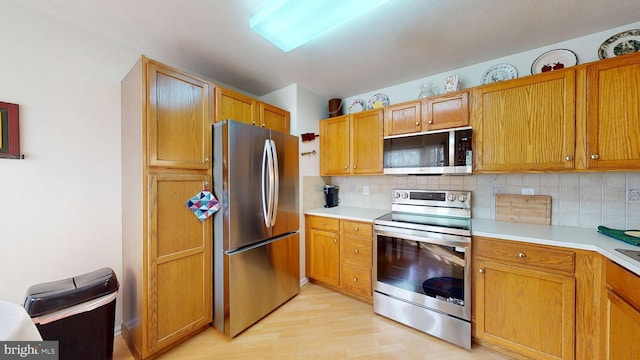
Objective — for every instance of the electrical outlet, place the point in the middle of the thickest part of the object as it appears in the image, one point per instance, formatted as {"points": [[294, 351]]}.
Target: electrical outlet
{"points": [[365, 190], [633, 195], [497, 190], [527, 191]]}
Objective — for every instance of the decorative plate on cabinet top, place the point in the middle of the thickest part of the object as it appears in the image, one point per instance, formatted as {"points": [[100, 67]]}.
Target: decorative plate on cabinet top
{"points": [[622, 43], [554, 60], [356, 105], [500, 72], [378, 100]]}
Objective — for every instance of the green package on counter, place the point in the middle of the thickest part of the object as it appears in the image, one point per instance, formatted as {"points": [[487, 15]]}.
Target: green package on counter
{"points": [[629, 236]]}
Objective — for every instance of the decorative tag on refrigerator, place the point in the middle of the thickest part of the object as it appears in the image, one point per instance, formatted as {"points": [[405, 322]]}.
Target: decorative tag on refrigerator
{"points": [[204, 204]]}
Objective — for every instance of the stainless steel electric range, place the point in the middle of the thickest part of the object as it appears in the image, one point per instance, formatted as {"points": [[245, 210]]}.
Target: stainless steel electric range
{"points": [[422, 255]]}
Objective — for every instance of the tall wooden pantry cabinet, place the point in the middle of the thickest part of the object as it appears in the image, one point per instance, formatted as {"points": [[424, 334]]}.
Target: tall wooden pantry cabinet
{"points": [[166, 249]]}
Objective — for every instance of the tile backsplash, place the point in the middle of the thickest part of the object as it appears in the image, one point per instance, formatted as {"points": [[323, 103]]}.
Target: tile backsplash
{"points": [[578, 199]]}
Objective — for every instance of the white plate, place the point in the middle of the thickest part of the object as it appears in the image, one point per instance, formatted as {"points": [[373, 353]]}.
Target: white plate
{"points": [[500, 72], [378, 100], [622, 43], [554, 60], [356, 105]]}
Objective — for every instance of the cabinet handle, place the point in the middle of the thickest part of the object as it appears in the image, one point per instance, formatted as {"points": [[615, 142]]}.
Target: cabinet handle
{"points": [[263, 125], [522, 255], [481, 271], [324, 223], [356, 228], [417, 123], [206, 159], [253, 123], [356, 250], [335, 241], [346, 167], [568, 157], [354, 166], [430, 122], [595, 156], [355, 279]]}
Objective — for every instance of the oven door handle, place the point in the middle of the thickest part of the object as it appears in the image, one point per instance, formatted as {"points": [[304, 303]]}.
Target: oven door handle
{"points": [[426, 237]]}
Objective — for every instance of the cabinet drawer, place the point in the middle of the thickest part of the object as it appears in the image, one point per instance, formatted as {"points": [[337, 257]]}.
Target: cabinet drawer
{"points": [[357, 228], [357, 251], [623, 283], [356, 279], [531, 256], [323, 223]]}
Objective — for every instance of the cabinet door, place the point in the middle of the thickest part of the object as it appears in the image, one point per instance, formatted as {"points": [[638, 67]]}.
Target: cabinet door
{"points": [[622, 329], [527, 311], [234, 105], [274, 118], [178, 119], [366, 142], [613, 114], [402, 119], [445, 111], [179, 278], [334, 146], [324, 256], [526, 124]]}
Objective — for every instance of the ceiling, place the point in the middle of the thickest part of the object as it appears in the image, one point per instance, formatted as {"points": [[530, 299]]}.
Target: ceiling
{"points": [[401, 41]]}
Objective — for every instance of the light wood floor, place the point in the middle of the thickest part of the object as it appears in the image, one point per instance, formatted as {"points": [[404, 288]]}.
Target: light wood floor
{"points": [[320, 324]]}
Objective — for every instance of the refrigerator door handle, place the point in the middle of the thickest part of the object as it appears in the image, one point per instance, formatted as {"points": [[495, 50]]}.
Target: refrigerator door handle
{"points": [[263, 186], [276, 184]]}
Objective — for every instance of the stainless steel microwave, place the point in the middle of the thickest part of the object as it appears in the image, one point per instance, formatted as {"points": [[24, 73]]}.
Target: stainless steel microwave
{"points": [[429, 153]]}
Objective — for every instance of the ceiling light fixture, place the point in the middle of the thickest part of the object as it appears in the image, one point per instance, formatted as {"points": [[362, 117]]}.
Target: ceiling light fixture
{"points": [[291, 23]]}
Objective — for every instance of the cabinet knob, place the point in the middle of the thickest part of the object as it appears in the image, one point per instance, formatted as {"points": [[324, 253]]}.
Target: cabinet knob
{"points": [[354, 166], [263, 125], [355, 279], [356, 250], [324, 223], [206, 159], [417, 123], [595, 156], [481, 271], [568, 157], [335, 241], [522, 255], [356, 228], [346, 167], [253, 123], [430, 122]]}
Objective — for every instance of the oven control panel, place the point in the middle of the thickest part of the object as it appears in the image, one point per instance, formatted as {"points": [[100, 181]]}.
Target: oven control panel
{"points": [[442, 198]]}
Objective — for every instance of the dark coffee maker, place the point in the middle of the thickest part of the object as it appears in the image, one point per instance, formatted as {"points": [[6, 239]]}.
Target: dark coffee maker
{"points": [[331, 195]]}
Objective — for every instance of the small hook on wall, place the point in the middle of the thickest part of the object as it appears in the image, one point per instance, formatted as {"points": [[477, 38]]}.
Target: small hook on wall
{"points": [[313, 152]]}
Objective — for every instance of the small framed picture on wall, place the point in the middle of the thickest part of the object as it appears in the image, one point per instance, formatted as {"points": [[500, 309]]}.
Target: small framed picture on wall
{"points": [[9, 131]]}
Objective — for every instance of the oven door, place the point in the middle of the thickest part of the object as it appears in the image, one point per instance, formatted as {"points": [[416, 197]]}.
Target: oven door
{"points": [[425, 268]]}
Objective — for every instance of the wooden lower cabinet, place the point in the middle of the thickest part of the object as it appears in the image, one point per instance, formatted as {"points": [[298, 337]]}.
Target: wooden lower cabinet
{"points": [[621, 314], [524, 298], [339, 254]]}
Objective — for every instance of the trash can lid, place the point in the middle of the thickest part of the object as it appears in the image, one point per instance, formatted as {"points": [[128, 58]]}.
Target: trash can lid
{"points": [[52, 296]]}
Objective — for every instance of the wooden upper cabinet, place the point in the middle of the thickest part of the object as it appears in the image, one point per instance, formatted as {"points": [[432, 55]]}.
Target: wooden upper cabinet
{"points": [[334, 146], [366, 142], [613, 114], [178, 119], [234, 105], [402, 119], [526, 124], [352, 144], [445, 111], [274, 118]]}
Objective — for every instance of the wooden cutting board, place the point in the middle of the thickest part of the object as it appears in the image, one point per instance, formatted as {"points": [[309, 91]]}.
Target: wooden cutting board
{"points": [[530, 209]]}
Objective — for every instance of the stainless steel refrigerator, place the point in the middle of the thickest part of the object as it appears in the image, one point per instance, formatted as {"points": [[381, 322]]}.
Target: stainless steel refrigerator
{"points": [[256, 258]]}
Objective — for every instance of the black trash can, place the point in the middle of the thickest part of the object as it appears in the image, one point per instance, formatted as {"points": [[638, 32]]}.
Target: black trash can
{"points": [[78, 312]]}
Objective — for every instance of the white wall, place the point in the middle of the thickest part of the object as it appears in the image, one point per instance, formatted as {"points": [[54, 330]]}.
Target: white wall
{"points": [[586, 49], [60, 207]]}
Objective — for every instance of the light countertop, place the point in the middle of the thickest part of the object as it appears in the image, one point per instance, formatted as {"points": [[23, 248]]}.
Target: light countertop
{"points": [[564, 236]]}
